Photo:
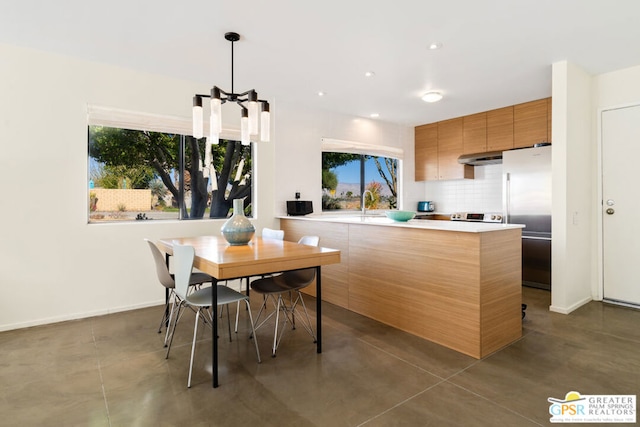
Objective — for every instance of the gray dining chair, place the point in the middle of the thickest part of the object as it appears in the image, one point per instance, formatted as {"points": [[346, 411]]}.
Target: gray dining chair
{"points": [[167, 280], [201, 301], [288, 283]]}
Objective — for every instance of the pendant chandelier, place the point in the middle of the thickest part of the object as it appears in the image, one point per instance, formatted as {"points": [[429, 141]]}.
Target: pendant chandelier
{"points": [[248, 101]]}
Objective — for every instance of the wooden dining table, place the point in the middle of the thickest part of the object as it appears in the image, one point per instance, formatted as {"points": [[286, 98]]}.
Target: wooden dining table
{"points": [[222, 261]]}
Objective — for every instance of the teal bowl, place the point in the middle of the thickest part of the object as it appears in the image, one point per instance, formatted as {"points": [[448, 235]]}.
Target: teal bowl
{"points": [[400, 216]]}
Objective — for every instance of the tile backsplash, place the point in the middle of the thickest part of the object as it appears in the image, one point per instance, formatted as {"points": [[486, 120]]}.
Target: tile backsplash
{"points": [[482, 194]]}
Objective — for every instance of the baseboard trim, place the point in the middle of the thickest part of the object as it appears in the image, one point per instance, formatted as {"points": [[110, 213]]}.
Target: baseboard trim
{"points": [[76, 316], [573, 307]]}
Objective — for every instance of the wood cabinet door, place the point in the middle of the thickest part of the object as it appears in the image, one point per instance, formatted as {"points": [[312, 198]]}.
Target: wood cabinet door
{"points": [[426, 152], [549, 119], [450, 146], [500, 129], [474, 133], [529, 123]]}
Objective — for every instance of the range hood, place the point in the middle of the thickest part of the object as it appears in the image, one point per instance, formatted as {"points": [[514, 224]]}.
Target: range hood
{"points": [[480, 159]]}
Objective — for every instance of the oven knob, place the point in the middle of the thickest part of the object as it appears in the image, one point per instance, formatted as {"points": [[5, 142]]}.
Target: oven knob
{"points": [[499, 217]]}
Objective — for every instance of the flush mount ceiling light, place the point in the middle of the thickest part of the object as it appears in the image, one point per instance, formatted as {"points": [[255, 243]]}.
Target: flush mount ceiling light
{"points": [[248, 102], [321, 93], [435, 45], [432, 96], [369, 74]]}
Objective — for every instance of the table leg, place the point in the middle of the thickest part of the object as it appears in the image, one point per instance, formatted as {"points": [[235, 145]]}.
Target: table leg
{"points": [[214, 330], [319, 309]]}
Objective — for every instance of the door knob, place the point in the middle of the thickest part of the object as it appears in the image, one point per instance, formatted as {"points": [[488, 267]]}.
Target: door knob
{"points": [[610, 211]]}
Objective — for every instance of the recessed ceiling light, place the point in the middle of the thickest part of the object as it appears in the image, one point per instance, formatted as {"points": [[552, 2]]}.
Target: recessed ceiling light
{"points": [[369, 74], [435, 45], [432, 96], [374, 115], [321, 93]]}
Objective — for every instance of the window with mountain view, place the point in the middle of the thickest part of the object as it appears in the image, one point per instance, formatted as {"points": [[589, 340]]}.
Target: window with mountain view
{"points": [[346, 177]]}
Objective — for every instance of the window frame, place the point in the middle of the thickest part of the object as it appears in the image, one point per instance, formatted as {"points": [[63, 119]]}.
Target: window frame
{"points": [[363, 150], [139, 121]]}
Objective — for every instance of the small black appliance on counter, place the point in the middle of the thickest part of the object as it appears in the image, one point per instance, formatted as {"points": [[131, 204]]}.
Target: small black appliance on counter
{"points": [[299, 207]]}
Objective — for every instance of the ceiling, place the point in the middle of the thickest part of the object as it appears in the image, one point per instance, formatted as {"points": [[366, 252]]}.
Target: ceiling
{"points": [[494, 53]]}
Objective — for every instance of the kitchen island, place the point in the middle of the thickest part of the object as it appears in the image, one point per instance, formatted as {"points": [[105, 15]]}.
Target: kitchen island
{"points": [[454, 283]]}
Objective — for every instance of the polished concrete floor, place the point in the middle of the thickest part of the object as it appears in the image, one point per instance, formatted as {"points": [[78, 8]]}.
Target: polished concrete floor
{"points": [[111, 371]]}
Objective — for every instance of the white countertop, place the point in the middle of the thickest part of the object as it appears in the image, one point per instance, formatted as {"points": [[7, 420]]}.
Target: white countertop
{"points": [[462, 226]]}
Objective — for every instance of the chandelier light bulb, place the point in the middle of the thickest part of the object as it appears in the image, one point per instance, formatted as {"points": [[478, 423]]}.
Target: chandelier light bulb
{"points": [[216, 115], [253, 112], [198, 121], [244, 127], [265, 123]]}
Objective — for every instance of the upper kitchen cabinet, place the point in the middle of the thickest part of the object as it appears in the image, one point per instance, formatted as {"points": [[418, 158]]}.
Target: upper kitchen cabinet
{"points": [[474, 133], [500, 129], [450, 147], [426, 156], [530, 123]]}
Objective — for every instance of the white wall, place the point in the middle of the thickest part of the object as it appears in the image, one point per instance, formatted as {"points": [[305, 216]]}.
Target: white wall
{"points": [[573, 184], [577, 100], [298, 156], [55, 266]]}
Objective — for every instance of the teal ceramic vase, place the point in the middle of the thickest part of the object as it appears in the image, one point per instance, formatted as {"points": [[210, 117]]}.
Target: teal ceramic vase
{"points": [[238, 230]]}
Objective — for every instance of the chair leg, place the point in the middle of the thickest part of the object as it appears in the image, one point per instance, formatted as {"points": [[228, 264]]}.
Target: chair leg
{"points": [[275, 332], [165, 320], [306, 322], [172, 329], [173, 301], [193, 346], [253, 332]]}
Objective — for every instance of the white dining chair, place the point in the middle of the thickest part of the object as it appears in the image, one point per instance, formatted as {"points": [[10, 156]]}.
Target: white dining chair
{"points": [[201, 300], [287, 283], [167, 280]]}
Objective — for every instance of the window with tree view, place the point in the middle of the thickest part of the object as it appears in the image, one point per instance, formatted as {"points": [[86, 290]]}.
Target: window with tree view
{"points": [[142, 175], [347, 177]]}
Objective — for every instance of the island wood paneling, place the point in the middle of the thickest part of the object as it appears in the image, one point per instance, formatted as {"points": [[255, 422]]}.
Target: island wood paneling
{"points": [[501, 284], [460, 290], [335, 287], [420, 282]]}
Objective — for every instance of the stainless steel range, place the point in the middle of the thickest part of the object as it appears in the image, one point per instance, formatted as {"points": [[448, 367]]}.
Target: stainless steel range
{"points": [[477, 217]]}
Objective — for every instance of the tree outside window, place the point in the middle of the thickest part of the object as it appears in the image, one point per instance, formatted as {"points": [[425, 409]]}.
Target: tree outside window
{"points": [[153, 175]]}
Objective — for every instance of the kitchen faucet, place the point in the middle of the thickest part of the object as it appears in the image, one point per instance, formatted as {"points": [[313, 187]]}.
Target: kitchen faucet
{"points": [[364, 194]]}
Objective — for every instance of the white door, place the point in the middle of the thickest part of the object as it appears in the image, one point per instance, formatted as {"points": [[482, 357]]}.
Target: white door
{"points": [[621, 204]]}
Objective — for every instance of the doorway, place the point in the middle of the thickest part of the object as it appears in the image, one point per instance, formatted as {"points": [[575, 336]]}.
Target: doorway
{"points": [[621, 205]]}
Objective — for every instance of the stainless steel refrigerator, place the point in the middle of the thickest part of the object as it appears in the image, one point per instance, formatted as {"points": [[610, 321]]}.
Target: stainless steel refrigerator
{"points": [[527, 200]]}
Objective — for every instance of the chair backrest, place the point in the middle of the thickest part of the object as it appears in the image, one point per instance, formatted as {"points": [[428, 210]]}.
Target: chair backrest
{"points": [[270, 233], [301, 278], [161, 266], [309, 240], [183, 256]]}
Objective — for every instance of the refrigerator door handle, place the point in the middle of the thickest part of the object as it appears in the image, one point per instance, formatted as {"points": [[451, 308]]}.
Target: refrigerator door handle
{"points": [[536, 238], [507, 195]]}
